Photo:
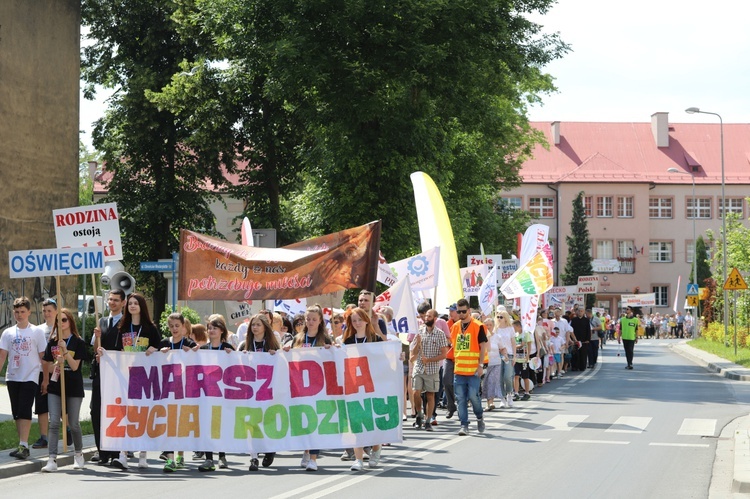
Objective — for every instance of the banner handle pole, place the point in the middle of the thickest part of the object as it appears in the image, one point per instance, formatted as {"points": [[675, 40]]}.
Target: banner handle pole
{"points": [[61, 365], [97, 340]]}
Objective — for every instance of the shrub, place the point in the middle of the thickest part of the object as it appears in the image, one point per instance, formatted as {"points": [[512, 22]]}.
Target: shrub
{"points": [[187, 312]]}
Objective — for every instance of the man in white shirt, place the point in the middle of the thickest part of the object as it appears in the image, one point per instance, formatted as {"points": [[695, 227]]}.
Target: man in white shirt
{"points": [[23, 345]]}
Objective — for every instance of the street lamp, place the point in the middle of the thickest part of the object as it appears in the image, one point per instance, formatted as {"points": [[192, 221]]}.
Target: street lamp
{"points": [[693, 110], [695, 214]]}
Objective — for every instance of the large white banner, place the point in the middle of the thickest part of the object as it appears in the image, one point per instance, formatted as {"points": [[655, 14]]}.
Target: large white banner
{"points": [[307, 398], [422, 269], [488, 292], [291, 307], [54, 262], [87, 226], [472, 278], [534, 239], [640, 300]]}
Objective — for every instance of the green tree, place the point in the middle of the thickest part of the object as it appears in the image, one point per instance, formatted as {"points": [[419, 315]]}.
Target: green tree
{"points": [[579, 244], [344, 103], [85, 183], [156, 176], [702, 262]]}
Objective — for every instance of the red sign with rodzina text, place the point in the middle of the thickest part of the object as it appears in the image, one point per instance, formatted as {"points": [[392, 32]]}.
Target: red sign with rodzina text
{"points": [[213, 269], [89, 226]]}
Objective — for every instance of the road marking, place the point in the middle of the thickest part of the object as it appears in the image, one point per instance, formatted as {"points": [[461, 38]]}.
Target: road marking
{"points": [[629, 424], [668, 444], [698, 427], [564, 422], [613, 442]]}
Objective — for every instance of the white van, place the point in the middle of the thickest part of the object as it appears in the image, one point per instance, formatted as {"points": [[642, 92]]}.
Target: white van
{"points": [[87, 303]]}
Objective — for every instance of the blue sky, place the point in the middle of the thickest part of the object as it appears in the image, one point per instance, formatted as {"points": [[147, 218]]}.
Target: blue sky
{"points": [[632, 59]]}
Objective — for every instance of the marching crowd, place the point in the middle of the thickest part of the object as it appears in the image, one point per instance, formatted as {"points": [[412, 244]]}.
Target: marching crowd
{"points": [[457, 362]]}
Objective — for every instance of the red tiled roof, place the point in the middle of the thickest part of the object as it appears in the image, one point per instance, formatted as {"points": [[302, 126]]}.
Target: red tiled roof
{"points": [[103, 178], [627, 152]]}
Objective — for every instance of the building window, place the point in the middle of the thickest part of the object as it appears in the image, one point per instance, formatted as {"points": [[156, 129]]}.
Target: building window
{"points": [[604, 250], [662, 295], [625, 206], [588, 206], [542, 207], [510, 202], [604, 206], [734, 205], [701, 209], [660, 208], [659, 251], [689, 251], [625, 249]]}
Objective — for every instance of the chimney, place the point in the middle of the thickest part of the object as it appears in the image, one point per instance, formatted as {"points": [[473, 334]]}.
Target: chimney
{"points": [[556, 132], [660, 128]]}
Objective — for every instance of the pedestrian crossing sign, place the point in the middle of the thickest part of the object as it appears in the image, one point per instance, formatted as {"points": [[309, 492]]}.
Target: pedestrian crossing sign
{"points": [[735, 281], [692, 289]]}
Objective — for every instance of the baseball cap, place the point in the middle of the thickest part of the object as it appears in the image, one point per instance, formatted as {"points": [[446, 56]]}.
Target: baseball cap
{"points": [[453, 307]]}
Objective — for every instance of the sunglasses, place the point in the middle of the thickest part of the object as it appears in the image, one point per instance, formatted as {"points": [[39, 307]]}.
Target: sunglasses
{"points": [[64, 319], [461, 311]]}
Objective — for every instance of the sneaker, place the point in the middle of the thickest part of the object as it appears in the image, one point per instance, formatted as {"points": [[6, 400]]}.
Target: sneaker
{"points": [[41, 443], [223, 464], [170, 466], [428, 427], [129, 453], [142, 462], [253, 465], [357, 465], [375, 458], [420, 421], [120, 464], [268, 459], [208, 465], [51, 465], [78, 462], [516, 397], [95, 458], [347, 456], [450, 414], [509, 400], [311, 466], [163, 456], [179, 462], [305, 460], [14, 453], [22, 452], [463, 431], [630, 367], [197, 456], [480, 426], [526, 396], [434, 422]]}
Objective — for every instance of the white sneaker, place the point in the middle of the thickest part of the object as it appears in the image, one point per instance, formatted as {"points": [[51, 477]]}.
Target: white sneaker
{"points": [[357, 465], [375, 458], [501, 404], [509, 400], [78, 462], [311, 466], [120, 464], [305, 460], [142, 460], [51, 465]]}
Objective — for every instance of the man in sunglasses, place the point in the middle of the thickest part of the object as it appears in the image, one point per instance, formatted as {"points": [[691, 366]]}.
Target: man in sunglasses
{"points": [[469, 340]]}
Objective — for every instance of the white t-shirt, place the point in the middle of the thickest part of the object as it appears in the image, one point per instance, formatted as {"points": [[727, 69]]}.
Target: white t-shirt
{"points": [[507, 339], [495, 359], [23, 347], [557, 343], [47, 330]]}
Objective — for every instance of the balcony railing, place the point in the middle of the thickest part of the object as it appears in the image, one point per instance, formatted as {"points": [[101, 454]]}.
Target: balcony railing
{"points": [[627, 265]]}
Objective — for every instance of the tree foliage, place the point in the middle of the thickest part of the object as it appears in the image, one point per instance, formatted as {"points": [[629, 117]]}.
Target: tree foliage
{"points": [[702, 262], [579, 244], [335, 107], [157, 178]]}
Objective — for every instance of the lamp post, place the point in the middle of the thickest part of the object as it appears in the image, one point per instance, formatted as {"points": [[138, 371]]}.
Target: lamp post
{"points": [[693, 110], [695, 214]]}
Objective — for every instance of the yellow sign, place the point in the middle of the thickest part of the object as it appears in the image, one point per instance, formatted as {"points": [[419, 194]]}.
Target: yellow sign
{"points": [[703, 293], [692, 301], [735, 281]]}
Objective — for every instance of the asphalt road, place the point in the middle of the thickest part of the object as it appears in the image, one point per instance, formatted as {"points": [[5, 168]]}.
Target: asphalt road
{"points": [[609, 433]]}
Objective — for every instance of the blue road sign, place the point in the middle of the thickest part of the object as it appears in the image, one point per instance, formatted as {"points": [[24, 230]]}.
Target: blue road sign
{"points": [[156, 266], [692, 289]]}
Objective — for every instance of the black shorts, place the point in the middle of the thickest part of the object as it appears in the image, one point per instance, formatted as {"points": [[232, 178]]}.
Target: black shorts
{"points": [[21, 398], [522, 369], [40, 401]]}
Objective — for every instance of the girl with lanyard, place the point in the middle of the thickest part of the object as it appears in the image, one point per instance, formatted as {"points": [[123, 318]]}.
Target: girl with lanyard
{"points": [[359, 330], [217, 340], [314, 334], [261, 339], [65, 346], [139, 334], [179, 327]]}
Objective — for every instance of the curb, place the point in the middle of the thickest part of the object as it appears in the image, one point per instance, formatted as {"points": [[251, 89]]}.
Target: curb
{"points": [[726, 369], [34, 465], [741, 478]]}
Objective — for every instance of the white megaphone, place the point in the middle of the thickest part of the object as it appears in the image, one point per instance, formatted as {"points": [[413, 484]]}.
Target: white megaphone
{"points": [[115, 277]]}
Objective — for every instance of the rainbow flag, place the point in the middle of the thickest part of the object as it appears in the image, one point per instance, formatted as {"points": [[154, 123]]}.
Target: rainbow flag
{"points": [[533, 278]]}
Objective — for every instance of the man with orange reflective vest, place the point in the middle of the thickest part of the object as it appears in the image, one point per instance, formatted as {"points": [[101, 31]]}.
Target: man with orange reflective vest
{"points": [[469, 341]]}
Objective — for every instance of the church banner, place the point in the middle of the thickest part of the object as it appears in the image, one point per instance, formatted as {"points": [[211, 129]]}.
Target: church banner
{"points": [[307, 398], [213, 269]]}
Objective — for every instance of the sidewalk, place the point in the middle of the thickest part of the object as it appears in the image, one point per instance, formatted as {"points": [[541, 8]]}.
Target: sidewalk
{"points": [[732, 454]]}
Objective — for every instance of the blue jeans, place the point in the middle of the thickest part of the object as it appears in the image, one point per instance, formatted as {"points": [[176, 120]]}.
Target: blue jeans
{"points": [[506, 378], [467, 388]]}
